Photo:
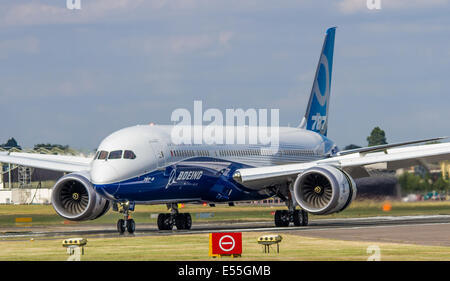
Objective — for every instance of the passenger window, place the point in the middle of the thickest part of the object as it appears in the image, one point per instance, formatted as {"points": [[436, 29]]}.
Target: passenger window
{"points": [[103, 155], [128, 154], [116, 154]]}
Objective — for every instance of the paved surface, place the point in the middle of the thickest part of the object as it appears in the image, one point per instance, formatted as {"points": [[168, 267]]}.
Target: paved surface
{"points": [[435, 234], [425, 230]]}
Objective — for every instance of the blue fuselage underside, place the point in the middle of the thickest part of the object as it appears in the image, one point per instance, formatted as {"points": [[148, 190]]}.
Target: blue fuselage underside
{"points": [[184, 182]]}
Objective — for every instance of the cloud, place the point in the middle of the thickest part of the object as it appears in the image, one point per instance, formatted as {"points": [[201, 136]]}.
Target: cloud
{"points": [[39, 12], [351, 6], [176, 44], [36, 13], [190, 43], [225, 37], [354, 6], [385, 27], [183, 44], [25, 45]]}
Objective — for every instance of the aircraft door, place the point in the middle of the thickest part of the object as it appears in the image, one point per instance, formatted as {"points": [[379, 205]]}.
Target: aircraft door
{"points": [[160, 150]]}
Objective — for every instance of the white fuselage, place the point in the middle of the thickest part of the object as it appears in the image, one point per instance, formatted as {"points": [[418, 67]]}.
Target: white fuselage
{"points": [[154, 148]]}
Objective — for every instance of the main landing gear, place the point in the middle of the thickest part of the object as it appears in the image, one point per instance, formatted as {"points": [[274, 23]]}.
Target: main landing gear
{"points": [[284, 217], [166, 221], [127, 223]]}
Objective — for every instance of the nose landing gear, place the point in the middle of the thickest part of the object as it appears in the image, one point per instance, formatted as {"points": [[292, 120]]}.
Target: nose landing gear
{"points": [[127, 223]]}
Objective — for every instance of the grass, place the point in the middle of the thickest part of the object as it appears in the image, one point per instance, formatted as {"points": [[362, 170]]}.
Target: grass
{"points": [[195, 247], [45, 215]]}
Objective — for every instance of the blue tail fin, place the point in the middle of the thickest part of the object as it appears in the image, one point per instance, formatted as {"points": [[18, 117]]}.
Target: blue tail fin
{"points": [[316, 117]]}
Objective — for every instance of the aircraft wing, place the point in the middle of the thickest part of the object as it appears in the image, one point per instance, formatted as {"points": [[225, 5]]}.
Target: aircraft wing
{"points": [[61, 163], [356, 164]]}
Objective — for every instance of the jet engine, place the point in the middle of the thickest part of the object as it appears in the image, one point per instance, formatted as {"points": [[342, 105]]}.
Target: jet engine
{"points": [[324, 190], [74, 198]]}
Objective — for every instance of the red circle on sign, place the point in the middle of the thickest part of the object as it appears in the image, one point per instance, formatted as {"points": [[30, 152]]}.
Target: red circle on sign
{"points": [[227, 243]]}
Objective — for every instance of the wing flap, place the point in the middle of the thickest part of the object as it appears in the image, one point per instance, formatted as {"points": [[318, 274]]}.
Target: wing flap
{"points": [[397, 157], [383, 147]]}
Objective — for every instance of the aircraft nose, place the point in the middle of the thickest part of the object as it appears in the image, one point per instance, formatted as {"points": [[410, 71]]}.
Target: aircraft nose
{"points": [[103, 174]]}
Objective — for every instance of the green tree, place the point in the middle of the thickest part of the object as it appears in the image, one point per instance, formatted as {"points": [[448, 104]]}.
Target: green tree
{"points": [[51, 146], [351, 146], [441, 185], [412, 183], [377, 137], [10, 144]]}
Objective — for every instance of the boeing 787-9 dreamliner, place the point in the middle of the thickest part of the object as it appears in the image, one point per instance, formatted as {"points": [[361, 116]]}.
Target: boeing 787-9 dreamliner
{"points": [[143, 165]]}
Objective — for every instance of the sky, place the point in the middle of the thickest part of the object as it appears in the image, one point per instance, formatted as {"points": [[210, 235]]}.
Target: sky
{"points": [[74, 76]]}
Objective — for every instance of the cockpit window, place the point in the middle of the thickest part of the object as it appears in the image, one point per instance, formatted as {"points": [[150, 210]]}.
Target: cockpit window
{"points": [[128, 154], [116, 154], [103, 155]]}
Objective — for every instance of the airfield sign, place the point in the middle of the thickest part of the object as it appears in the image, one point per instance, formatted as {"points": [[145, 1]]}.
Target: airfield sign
{"points": [[225, 244]]}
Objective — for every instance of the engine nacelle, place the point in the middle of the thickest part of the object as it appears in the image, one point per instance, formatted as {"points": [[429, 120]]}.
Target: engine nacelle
{"points": [[74, 198], [324, 190]]}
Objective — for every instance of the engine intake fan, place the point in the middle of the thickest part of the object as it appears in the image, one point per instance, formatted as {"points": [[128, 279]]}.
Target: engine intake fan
{"points": [[324, 190], [74, 198]]}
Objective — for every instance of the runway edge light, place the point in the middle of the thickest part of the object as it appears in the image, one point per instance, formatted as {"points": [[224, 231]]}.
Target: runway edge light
{"points": [[75, 247], [268, 240], [74, 242]]}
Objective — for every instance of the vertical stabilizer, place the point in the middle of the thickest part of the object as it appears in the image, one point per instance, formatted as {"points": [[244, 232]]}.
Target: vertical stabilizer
{"points": [[316, 117]]}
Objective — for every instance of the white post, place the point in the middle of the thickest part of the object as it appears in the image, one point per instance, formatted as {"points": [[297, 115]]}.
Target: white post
{"points": [[1, 176], [9, 175]]}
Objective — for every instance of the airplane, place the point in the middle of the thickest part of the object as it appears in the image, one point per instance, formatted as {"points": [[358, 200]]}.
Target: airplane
{"points": [[142, 165]]}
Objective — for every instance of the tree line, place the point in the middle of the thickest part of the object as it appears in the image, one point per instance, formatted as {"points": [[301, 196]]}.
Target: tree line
{"points": [[12, 143]]}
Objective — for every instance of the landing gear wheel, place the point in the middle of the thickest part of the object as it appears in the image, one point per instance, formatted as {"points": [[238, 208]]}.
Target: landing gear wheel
{"points": [[131, 226], [161, 221], [188, 221], [165, 222], [180, 221], [121, 226], [298, 217], [168, 221], [305, 219], [281, 218], [183, 221]]}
